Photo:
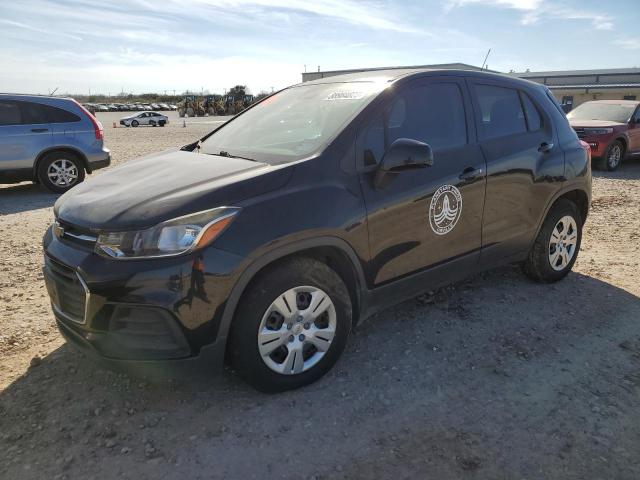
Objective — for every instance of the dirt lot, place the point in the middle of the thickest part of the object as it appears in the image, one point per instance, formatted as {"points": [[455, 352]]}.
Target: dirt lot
{"points": [[496, 377]]}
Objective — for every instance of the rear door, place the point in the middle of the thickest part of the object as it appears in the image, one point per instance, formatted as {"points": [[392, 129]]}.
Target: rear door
{"points": [[429, 216], [524, 166], [24, 133]]}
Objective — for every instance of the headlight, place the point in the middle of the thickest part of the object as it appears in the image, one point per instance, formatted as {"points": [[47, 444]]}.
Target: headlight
{"points": [[170, 238], [597, 131]]}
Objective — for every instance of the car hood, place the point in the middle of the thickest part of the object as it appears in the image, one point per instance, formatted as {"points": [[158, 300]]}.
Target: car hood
{"points": [[145, 192], [594, 123]]}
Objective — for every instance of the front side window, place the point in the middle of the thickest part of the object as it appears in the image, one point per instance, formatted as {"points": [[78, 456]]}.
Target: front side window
{"points": [[294, 123], [433, 114], [501, 112]]}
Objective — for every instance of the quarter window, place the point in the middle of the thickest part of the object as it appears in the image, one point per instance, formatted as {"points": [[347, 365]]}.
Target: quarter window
{"points": [[501, 112], [534, 122]]}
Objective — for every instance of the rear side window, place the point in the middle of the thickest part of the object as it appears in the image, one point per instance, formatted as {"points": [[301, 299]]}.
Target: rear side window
{"points": [[10, 113], [33, 113], [534, 122], [501, 112]]}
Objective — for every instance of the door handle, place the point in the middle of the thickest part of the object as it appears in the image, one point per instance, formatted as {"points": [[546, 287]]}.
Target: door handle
{"points": [[470, 173], [545, 147], [39, 130]]}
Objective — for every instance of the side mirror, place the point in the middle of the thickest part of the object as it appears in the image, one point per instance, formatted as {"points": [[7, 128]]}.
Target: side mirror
{"points": [[404, 154]]}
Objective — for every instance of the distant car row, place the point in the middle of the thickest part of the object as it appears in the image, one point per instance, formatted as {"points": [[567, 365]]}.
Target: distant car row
{"points": [[128, 107]]}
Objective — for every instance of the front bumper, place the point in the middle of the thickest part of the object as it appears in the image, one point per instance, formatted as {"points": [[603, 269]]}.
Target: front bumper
{"points": [[139, 312]]}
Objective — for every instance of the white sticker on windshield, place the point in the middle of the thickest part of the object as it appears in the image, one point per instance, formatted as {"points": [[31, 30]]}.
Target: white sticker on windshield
{"points": [[345, 95]]}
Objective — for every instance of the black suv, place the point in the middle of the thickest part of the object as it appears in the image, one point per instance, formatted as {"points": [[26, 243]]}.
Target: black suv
{"points": [[268, 239]]}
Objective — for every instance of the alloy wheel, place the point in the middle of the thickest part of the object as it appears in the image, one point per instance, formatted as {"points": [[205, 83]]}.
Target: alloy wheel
{"points": [[613, 158], [63, 173], [562, 244], [297, 330]]}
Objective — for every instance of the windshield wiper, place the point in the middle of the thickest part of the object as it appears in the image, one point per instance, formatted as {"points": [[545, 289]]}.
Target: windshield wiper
{"points": [[223, 153]]}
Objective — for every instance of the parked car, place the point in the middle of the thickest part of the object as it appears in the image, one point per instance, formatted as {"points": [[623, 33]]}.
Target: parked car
{"points": [[49, 140], [102, 108], [268, 239], [164, 106], [146, 118], [610, 127], [173, 107]]}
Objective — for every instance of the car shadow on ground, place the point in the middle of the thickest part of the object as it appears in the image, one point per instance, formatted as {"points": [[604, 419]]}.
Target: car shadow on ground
{"points": [[496, 376], [23, 197]]}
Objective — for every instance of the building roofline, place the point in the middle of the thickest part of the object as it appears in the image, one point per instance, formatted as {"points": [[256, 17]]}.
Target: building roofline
{"points": [[575, 73]]}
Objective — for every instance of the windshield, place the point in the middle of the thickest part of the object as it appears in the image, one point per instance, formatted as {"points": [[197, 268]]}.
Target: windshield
{"points": [[602, 111], [292, 124]]}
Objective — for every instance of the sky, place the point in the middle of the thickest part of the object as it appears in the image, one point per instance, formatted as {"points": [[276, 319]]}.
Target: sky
{"points": [[109, 46]]}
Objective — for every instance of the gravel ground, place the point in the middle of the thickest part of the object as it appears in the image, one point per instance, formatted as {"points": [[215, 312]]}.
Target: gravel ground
{"points": [[495, 377]]}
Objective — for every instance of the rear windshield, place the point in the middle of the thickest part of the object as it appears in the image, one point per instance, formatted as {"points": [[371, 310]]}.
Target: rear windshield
{"points": [[294, 123], [602, 111]]}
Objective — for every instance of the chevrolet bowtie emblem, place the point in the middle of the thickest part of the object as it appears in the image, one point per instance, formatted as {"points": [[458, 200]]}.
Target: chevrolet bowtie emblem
{"points": [[58, 230]]}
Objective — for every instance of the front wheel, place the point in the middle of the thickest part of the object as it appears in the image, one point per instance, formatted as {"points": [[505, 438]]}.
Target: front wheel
{"points": [[612, 157], [291, 326], [556, 248], [135, 123]]}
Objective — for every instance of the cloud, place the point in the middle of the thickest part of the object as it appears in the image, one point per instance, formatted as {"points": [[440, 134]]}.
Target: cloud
{"points": [[22, 26], [535, 10], [628, 43]]}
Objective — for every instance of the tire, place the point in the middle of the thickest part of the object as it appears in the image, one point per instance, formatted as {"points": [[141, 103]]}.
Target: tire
{"points": [[51, 164], [190, 112], [296, 279], [161, 123], [565, 223], [152, 123], [135, 123], [614, 156]]}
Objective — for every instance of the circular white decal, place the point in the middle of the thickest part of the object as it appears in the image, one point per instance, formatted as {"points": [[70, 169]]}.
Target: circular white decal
{"points": [[445, 209]]}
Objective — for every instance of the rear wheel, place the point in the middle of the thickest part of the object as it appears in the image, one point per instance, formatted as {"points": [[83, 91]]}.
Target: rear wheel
{"points": [[556, 248], [60, 171], [291, 326]]}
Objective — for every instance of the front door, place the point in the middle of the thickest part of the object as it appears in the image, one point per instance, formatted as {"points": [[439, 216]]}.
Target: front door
{"points": [[428, 216]]}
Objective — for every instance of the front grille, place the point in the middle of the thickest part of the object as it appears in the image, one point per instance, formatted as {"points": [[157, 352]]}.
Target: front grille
{"points": [[67, 291], [580, 133], [78, 236]]}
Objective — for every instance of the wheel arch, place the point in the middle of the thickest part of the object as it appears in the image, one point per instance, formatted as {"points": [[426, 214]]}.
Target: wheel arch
{"points": [[333, 251], [54, 149], [574, 193], [625, 144]]}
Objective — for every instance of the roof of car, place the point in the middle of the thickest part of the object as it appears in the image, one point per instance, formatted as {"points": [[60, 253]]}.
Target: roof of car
{"points": [[616, 102], [392, 75]]}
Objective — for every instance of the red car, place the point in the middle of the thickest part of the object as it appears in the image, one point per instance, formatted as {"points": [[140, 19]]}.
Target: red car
{"points": [[610, 127]]}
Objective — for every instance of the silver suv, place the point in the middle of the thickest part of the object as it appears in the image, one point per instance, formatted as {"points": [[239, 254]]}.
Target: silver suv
{"points": [[48, 140]]}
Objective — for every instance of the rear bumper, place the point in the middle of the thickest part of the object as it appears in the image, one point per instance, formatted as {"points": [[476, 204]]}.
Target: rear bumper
{"points": [[99, 160]]}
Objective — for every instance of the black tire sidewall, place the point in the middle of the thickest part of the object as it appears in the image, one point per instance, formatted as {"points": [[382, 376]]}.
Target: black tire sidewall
{"points": [[135, 123], [47, 160], [538, 265], [606, 155], [244, 355]]}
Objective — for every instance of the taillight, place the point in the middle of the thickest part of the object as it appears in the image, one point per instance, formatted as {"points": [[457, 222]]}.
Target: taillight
{"points": [[587, 148], [97, 126]]}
